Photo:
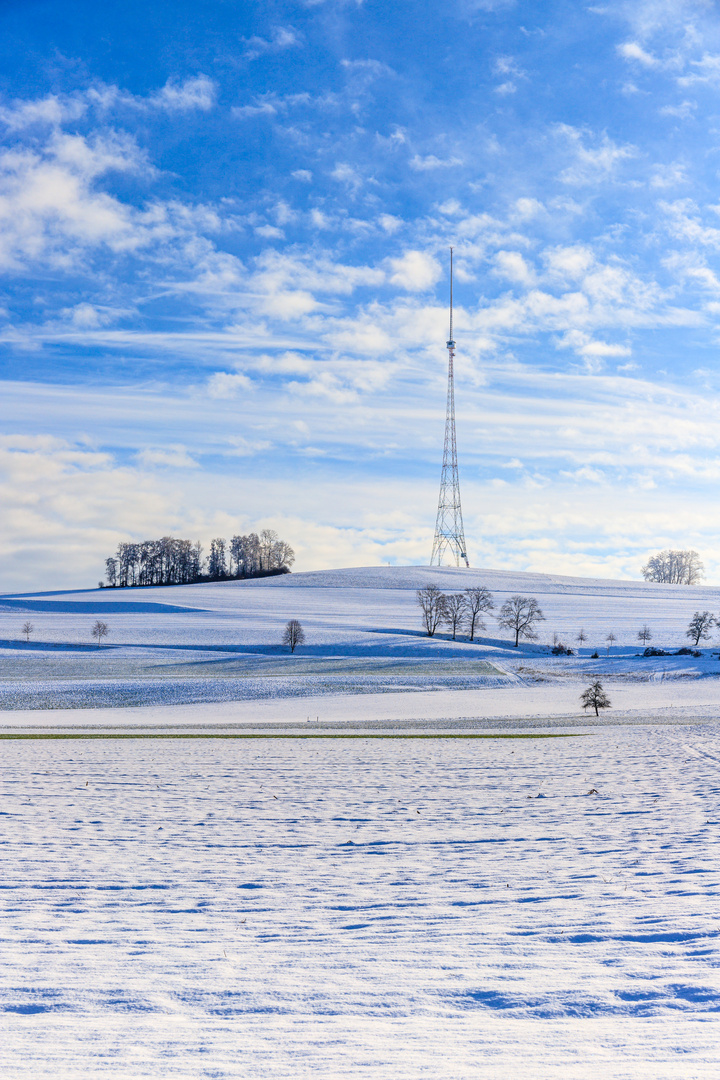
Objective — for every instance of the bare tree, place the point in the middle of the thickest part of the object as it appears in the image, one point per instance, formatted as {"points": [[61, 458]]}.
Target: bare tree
{"points": [[454, 610], [674, 567], [293, 635], [99, 631], [282, 556], [268, 540], [111, 571], [611, 639], [595, 697], [479, 603], [520, 614], [645, 634], [432, 606], [27, 630], [581, 637], [700, 626], [217, 565]]}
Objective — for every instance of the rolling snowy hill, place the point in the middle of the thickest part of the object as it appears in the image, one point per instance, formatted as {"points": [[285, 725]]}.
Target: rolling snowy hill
{"points": [[221, 643]]}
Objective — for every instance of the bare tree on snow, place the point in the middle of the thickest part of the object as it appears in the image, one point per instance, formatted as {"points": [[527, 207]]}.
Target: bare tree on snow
{"points": [[645, 634], [432, 606], [674, 567], [27, 630], [611, 639], [99, 631], [595, 697], [479, 603], [293, 635], [520, 614], [700, 626], [454, 610], [581, 637]]}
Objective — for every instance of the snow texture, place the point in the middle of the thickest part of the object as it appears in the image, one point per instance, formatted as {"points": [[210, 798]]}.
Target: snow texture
{"points": [[386, 857], [442, 907]]}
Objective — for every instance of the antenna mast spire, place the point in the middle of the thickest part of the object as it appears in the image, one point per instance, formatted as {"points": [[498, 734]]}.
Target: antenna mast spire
{"points": [[449, 542]]}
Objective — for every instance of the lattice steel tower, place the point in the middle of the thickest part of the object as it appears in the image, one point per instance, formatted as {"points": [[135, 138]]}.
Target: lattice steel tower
{"points": [[449, 542]]}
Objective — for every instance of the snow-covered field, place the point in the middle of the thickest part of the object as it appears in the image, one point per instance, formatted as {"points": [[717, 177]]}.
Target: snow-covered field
{"points": [[221, 643], [362, 907], [387, 856]]}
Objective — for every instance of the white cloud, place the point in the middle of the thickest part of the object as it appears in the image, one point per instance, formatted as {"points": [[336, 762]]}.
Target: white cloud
{"points": [[592, 164], [390, 224], [415, 271], [685, 110], [430, 162], [347, 174], [51, 110], [525, 209], [262, 108], [684, 222], [570, 263], [451, 208], [320, 220], [284, 213], [668, 175], [170, 457], [705, 71], [224, 384], [194, 93], [57, 498], [506, 66], [49, 209], [631, 50], [281, 38], [88, 316], [512, 265], [592, 350], [270, 232], [302, 174], [279, 273]]}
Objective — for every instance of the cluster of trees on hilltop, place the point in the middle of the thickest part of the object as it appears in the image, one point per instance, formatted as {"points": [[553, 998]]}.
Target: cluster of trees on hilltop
{"points": [[674, 567], [170, 561]]}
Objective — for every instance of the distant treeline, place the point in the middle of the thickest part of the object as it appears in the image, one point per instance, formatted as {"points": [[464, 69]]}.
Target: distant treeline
{"points": [[181, 562]]}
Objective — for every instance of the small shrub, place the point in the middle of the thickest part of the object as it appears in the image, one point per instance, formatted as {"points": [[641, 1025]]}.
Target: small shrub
{"points": [[595, 656], [656, 652]]}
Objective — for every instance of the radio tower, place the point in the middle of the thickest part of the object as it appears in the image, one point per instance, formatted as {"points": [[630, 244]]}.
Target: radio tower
{"points": [[449, 539]]}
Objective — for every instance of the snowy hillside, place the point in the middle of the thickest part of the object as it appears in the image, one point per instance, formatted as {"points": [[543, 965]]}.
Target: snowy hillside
{"points": [[222, 642], [385, 856], [449, 578]]}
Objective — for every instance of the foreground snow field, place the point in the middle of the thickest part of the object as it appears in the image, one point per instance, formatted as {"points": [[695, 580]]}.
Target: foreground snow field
{"points": [[386, 856], [439, 907]]}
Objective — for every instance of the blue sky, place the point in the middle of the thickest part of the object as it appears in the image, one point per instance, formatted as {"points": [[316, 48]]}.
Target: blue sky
{"points": [[224, 233]]}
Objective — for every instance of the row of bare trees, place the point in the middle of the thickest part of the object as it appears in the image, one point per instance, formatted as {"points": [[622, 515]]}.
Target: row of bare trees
{"points": [[521, 614], [169, 561], [99, 630], [699, 629], [466, 610]]}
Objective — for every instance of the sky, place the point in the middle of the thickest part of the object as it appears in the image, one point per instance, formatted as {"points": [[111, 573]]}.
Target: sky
{"points": [[224, 261]]}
